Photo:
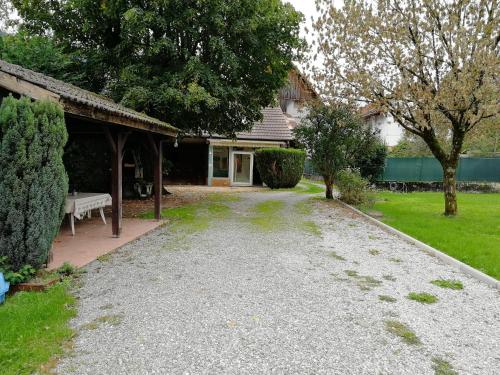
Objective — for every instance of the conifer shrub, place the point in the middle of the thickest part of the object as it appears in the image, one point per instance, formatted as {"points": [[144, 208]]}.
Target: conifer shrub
{"points": [[33, 181], [280, 167]]}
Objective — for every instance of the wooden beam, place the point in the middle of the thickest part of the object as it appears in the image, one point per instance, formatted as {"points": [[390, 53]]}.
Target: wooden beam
{"points": [[158, 177], [19, 86], [118, 141], [90, 113]]}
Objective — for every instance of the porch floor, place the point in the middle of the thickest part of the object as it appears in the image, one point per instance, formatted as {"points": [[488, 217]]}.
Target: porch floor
{"points": [[93, 239]]}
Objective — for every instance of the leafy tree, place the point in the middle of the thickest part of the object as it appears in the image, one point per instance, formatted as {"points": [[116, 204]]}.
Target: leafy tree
{"points": [[371, 161], [39, 53], [33, 182], [432, 64], [206, 65], [333, 137]]}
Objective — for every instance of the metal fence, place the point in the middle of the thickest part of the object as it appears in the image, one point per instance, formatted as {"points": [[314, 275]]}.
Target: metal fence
{"points": [[426, 169]]}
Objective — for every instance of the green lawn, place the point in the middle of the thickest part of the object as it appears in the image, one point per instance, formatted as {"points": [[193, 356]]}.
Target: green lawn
{"points": [[473, 236], [33, 327]]}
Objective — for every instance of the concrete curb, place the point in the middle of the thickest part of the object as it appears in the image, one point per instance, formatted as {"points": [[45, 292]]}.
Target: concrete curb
{"points": [[428, 249]]}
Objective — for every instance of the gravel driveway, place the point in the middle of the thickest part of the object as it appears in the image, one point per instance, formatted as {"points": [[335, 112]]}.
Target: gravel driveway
{"points": [[319, 291]]}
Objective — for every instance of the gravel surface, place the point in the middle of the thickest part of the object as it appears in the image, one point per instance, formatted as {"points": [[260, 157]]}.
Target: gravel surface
{"points": [[243, 298]]}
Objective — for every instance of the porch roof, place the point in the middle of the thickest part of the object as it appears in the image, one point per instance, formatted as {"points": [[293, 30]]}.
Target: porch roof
{"points": [[76, 101], [273, 127]]}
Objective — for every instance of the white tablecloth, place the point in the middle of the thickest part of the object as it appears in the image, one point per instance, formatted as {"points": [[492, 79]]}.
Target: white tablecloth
{"points": [[83, 202]]}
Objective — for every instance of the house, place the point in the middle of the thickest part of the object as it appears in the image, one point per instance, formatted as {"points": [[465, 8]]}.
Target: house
{"points": [[293, 98], [390, 132], [90, 115], [221, 161]]}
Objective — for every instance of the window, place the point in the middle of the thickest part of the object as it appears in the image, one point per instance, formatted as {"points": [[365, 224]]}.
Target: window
{"points": [[221, 162]]}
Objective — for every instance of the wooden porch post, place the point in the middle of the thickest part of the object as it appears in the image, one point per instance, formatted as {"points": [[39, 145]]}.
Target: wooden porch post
{"points": [[117, 143], [156, 146]]}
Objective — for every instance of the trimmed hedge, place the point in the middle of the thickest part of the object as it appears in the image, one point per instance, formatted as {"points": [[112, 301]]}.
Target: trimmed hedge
{"points": [[280, 167], [33, 182]]}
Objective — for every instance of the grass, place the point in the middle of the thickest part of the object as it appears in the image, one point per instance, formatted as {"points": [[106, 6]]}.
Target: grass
{"points": [[33, 328], [196, 217], [442, 367], [449, 284], [403, 331], [307, 187], [471, 237], [268, 215], [310, 227], [374, 252], [426, 298]]}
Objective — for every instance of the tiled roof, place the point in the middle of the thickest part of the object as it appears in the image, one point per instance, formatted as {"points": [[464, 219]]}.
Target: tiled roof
{"points": [[273, 127], [79, 96]]}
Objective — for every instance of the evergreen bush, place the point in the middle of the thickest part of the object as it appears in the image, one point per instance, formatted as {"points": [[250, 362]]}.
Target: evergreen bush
{"points": [[280, 167], [33, 182]]}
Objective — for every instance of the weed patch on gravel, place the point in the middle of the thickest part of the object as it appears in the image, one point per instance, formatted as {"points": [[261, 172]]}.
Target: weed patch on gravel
{"points": [[351, 273], [112, 320], [104, 258], [386, 298], [267, 215], [334, 255], [449, 284], [374, 252], [396, 260], [303, 207], [310, 227], [426, 298], [442, 367], [389, 278], [403, 331]]}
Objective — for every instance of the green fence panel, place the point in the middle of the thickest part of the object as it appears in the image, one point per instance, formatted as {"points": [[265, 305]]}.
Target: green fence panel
{"points": [[425, 169]]}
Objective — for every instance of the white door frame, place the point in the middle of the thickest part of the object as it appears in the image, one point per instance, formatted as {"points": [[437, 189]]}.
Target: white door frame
{"points": [[231, 168]]}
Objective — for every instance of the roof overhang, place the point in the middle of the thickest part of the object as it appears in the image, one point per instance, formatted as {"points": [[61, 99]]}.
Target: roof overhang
{"points": [[20, 86], [244, 143]]}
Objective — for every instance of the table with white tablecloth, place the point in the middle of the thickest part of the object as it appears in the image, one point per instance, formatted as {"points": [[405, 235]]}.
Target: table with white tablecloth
{"points": [[80, 205]]}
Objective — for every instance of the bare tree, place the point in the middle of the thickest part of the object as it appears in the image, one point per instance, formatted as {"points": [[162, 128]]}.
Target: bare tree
{"points": [[432, 64]]}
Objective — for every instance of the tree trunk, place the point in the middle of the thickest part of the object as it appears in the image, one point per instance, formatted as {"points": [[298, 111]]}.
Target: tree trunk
{"points": [[329, 187], [450, 189]]}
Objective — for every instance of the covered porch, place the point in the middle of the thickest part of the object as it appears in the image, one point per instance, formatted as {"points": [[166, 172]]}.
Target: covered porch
{"points": [[94, 119]]}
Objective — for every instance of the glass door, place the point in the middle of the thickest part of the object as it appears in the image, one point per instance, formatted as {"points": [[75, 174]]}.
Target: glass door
{"points": [[242, 168]]}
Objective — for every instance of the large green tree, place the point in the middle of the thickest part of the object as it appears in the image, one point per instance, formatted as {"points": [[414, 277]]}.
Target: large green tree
{"points": [[202, 65], [334, 138], [432, 64]]}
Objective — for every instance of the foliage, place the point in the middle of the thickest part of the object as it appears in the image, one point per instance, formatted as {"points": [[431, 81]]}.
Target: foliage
{"points": [[410, 146], [22, 275], [201, 65], [352, 187], [39, 53], [334, 138], [280, 167], [33, 183], [471, 237], [371, 161], [33, 327], [432, 64], [67, 269]]}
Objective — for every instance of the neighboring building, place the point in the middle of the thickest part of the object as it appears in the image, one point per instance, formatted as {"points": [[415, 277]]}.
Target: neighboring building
{"points": [[390, 132], [294, 97]]}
